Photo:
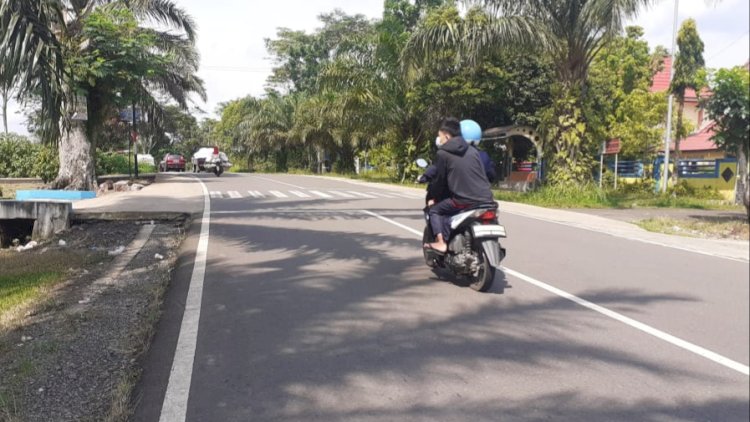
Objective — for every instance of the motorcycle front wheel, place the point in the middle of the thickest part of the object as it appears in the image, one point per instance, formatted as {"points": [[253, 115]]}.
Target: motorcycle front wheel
{"points": [[485, 276]]}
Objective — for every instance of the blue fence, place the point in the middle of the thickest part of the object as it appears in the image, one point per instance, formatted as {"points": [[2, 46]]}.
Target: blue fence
{"points": [[627, 168]]}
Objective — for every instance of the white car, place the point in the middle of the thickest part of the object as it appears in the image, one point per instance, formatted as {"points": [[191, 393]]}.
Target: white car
{"points": [[200, 157]]}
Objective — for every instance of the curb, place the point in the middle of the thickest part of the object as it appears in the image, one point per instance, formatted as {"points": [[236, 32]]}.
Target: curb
{"points": [[94, 216]]}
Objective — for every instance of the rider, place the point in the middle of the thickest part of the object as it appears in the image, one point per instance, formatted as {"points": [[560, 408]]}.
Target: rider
{"points": [[459, 171], [472, 132]]}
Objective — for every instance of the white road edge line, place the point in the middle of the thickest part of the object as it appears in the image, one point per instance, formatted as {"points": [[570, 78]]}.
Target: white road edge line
{"points": [[174, 407], [676, 341]]}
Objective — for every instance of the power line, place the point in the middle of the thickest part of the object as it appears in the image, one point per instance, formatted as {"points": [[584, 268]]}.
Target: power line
{"points": [[729, 45]]}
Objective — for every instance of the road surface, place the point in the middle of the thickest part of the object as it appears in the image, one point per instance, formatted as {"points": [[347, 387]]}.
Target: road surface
{"points": [[315, 305]]}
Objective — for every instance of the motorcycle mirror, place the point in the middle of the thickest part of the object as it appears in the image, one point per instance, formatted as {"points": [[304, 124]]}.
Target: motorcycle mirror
{"points": [[422, 163]]}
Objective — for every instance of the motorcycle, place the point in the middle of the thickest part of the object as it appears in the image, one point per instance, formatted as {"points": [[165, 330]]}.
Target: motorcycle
{"points": [[218, 163], [474, 249]]}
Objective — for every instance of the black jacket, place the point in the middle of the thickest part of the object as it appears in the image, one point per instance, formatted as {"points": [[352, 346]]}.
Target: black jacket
{"points": [[460, 173]]}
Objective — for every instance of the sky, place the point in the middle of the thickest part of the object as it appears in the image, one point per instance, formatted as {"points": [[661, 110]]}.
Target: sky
{"points": [[234, 61]]}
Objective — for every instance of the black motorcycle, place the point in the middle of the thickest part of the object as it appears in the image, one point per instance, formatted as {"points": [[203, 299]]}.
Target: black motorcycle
{"points": [[474, 249]]}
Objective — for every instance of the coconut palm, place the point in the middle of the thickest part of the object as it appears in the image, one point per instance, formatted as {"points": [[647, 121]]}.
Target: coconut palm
{"points": [[570, 32], [42, 42]]}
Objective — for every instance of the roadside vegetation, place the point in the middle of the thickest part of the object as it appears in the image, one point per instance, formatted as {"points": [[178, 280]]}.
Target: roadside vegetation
{"points": [[24, 277], [713, 228]]}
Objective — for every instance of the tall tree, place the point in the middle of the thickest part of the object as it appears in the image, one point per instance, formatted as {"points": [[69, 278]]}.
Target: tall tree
{"points": [[619, 102], [688, 74], [571, 32], [7, 80], [729, 107], [76, 56]]}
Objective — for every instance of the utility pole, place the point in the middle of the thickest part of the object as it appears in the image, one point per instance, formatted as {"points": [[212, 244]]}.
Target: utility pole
{"points": [[668, 137], [135, 142]]}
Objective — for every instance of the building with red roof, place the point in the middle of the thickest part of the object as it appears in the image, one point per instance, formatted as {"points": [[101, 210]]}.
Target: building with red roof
{"points": [[698, 144]]}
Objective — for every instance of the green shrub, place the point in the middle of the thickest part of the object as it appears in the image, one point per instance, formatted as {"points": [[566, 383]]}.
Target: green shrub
{"points": [[47, 164], [111, 163], [17, 156]]}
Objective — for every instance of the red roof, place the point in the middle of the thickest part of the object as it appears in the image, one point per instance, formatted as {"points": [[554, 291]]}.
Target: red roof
{"points": [[699, 141], [660, 82]]}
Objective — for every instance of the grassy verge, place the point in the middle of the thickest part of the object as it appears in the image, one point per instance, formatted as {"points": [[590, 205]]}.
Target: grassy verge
{"points": [[736, 229], [17, 290], [8, 191], [26, 276], [592, 197]]}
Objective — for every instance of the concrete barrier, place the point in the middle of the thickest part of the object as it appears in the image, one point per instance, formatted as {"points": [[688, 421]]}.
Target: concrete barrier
{"points": [[49, 217]]}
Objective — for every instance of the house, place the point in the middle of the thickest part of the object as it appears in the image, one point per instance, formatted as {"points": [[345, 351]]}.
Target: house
{"points": [[698, 144]]}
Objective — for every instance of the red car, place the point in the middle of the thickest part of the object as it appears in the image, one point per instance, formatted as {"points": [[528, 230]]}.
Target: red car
{"points": [[172, 162]]}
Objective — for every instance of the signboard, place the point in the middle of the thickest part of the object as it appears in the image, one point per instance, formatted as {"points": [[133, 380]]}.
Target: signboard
{"points": [[612, 147], [127, 115]]}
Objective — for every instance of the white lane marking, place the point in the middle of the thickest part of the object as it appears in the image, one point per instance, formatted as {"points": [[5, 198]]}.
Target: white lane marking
{"points": [[278, 194], [174, 407], [341, 194], [299, 194], [700, 351], [395, 223], [276, 181], [621, 236], [256, 194], [382, 195], [407, 195], [362, 195], [676, 341], [234, 194], [216, 195], [320, 194]]}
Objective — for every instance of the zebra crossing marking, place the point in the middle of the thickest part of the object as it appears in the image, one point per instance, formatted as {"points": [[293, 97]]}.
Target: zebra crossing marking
{"points": [[256, 194], [234, 194], [341, 194], [216, 195], [278, 194], [299, 194], [363, 195], [321, 194]]}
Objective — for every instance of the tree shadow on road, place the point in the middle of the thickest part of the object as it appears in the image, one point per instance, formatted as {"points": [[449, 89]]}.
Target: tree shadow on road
{"points": [[347, 325]]}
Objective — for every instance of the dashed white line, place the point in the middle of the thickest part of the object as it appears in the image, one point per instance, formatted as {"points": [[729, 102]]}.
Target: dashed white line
{"points": [[174, 407], [676, 341], [278, 194]]}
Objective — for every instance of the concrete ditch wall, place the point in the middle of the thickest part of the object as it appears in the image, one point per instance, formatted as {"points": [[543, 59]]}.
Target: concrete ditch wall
{"points": [[49, 217]]}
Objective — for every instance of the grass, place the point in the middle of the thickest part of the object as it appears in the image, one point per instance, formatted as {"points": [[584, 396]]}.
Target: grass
{"points": [[592, 197], [17, 290], [716, 228], [8, 191], [26, 276]]}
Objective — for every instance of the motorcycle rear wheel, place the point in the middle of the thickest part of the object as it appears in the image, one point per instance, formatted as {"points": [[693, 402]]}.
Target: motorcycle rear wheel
{"points": [[482, 281]]}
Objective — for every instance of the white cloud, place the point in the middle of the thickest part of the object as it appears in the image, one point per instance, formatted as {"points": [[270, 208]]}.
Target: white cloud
{"points": [[235, 63]]}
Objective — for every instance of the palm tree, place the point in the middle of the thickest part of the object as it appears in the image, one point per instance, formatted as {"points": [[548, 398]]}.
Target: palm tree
{"points": [[40, 42], [570, 32]]}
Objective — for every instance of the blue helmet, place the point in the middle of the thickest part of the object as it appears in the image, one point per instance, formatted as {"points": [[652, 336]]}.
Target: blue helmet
{"points": [[471, 131]]}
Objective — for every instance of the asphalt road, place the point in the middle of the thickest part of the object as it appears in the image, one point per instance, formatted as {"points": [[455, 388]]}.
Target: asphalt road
{"points": [[313, 310]]}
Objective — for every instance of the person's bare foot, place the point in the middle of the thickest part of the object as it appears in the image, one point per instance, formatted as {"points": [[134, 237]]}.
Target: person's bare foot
{"points": [[437, 246]]}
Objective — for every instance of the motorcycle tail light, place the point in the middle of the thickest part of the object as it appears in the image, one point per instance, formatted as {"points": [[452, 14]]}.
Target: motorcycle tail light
{"points": [[488, 216]]}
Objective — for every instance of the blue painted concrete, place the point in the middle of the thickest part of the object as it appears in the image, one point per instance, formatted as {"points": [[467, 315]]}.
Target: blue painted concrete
{"points": [[59, 195]]}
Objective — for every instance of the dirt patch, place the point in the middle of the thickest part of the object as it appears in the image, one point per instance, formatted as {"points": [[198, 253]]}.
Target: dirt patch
{"points": [[72, 354]]}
